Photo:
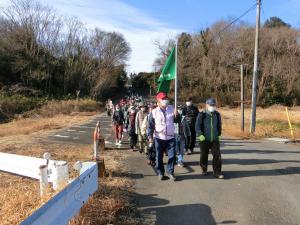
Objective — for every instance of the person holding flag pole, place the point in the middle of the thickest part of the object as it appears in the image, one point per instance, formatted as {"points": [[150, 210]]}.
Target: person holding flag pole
{"points": [[161, 120]]}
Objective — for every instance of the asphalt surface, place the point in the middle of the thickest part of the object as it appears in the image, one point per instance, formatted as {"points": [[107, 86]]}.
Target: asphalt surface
{"points": [[261, 185], [83, 133]]}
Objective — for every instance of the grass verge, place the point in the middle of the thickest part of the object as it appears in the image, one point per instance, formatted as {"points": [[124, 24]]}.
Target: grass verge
{"points": [[271, 122], [110, 204]]}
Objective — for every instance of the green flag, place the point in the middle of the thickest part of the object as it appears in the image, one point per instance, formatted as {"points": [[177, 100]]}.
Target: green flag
{"points": [[167, 74]]}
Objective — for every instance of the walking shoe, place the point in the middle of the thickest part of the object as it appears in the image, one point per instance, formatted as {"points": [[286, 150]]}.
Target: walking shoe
{"points": [[204, 173], [172, 177], [120, 142], [219, 176], [180, 164], [117, 141], [160, 177]]}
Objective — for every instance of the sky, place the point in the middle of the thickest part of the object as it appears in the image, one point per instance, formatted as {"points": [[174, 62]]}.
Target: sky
{"points": [[142, 22]]}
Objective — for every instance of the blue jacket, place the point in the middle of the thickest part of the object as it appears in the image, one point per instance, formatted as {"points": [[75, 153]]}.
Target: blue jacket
{"points": [[209, 125]]}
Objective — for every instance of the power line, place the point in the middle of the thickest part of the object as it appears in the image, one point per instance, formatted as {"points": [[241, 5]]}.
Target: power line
{"points": [[235, 20]]}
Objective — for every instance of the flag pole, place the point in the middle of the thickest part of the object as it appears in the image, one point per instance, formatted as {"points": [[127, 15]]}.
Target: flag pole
{"points": [[176, 78]]}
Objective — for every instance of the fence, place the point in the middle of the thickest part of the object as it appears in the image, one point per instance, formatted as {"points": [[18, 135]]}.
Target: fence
{"points": [[66, 203]]}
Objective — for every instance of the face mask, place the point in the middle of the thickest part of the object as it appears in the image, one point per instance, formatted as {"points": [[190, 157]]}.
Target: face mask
{"points": [[117, 109], [180, 111], [132, 111], [165, 102], [211, 108], [188, 103]]}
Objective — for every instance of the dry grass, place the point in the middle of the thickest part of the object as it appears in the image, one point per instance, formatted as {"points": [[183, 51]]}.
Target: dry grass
{"points": [[271, 122], [30, 125], [19, 197], [110, 205], [67, 107]]}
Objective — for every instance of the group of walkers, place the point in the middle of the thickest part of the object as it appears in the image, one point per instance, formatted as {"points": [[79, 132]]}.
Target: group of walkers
{"points": [[131, 115], [158, 129]]}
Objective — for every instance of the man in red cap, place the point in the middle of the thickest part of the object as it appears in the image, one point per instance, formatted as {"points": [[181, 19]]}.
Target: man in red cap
{"points": [[161, 127]]}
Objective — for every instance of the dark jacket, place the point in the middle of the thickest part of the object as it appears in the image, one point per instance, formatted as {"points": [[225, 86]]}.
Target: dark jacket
{"points": [[191, 113], [130, 122], [118, 117], [209, 125], [182, 128]]}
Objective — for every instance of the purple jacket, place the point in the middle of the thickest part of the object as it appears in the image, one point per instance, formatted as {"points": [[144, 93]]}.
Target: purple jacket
{"points": [[161, 123]]}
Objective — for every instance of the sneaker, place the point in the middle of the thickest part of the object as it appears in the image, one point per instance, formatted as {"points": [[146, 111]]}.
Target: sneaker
{"points": [[160, 177], [172, 177], [204, 173], [117, 141], [219, 176], [120, 142], [180, 164]]}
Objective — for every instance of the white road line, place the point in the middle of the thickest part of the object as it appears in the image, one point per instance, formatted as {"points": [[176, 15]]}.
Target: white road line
{"points": [[71, 130], [62, 136], [82, 131], [82, 126]]}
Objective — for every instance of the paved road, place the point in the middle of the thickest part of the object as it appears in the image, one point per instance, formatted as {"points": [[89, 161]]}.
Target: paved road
{"points": [[262, 185], [83, 133]]}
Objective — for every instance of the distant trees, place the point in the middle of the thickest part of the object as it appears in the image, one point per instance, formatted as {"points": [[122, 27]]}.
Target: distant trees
{"points": [[275, 22], [58, 55], [209, 62]]}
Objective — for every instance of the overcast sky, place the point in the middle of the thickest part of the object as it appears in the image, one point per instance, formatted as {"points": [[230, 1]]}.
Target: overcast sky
{"points": [[144, 21]]}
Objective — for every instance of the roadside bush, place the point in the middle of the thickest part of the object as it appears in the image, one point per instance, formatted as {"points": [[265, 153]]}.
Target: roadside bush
{"points": [[10, 105], [55, 107]]}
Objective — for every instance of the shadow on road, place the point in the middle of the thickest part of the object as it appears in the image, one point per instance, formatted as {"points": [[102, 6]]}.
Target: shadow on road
{"points": [[256, 151], [189, 214], [245, 162], [256, 173]]}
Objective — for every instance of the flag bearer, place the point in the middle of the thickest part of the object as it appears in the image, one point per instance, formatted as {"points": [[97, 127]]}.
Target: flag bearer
{"points": [[161, 125]]}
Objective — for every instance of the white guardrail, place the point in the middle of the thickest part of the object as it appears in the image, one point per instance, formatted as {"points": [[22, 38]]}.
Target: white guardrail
{"points": [[25, 165], [65, 204]]}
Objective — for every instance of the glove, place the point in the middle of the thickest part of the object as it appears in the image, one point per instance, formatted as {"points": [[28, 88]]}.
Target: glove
{"points": [[201, 138]]}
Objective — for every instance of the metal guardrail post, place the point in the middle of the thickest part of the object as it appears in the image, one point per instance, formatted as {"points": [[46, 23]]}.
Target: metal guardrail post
{"points": [[43, 180]]}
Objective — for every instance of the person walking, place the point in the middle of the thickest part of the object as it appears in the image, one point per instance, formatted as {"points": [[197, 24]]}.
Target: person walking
{"points": [[140, 116], [109, 107], [190, 112], [161, 125], [118, 121], [209, 130], [150, 147], [130, 126], [182, 133]]}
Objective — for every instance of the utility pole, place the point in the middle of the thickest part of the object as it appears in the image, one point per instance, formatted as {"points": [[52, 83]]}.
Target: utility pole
{"points": [[154, 86], [242, 101], [255, 71]]}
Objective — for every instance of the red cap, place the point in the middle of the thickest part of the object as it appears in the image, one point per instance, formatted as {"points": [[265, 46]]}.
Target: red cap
{"points": [[161, 95]]}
